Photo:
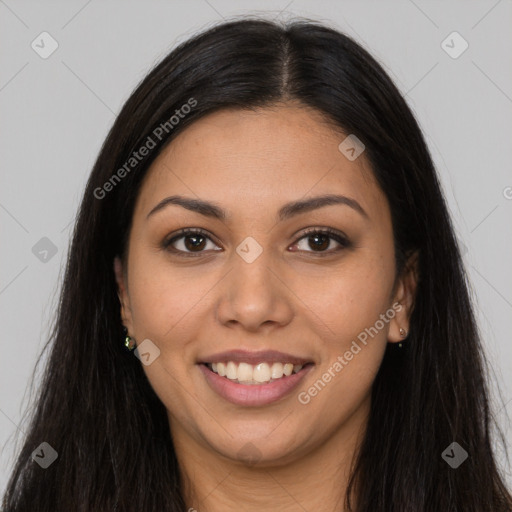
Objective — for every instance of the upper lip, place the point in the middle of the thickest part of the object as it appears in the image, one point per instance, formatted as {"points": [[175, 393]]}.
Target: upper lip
{"points": [[254, 357]]}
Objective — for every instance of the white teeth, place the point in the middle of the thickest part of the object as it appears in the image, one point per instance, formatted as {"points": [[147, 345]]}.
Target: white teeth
{"points": [[277, 370], [231, 370], [221, 369], [245, 372], [261, 373]]}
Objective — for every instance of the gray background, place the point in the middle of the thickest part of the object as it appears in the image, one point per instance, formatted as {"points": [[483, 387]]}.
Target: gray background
{"points": [[56, 112]]}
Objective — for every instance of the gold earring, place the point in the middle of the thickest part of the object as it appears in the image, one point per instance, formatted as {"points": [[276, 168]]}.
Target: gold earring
{"points": [[403, 333], [129, 342]]}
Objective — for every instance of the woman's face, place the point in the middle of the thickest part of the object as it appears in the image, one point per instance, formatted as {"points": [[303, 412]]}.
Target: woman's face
{"points": [[262, 286]]}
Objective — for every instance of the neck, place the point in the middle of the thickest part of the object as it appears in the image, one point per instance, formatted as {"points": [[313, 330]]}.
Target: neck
{"points": [[315, 480]]}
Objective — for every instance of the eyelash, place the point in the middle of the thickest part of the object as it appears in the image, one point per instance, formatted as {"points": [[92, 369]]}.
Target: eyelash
{"points": [[331, 233]]}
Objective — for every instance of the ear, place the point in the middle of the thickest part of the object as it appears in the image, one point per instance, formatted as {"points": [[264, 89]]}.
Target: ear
{"points": [[405, 295], [122, 293]]}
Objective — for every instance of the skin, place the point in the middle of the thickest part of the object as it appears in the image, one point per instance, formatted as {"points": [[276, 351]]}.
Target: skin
{"points": [[251, 163]]}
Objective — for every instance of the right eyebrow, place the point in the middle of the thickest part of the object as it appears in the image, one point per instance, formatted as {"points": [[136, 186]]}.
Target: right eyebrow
{"points": [[196, 205]]}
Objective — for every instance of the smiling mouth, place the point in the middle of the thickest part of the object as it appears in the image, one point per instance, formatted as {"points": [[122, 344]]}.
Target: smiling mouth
{"points": [[261, 373]]}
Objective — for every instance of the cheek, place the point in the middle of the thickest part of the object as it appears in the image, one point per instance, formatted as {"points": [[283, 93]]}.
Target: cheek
{"points": [[164, 304], [353, 347], [348, 305], [163, 299], [351, 299]]}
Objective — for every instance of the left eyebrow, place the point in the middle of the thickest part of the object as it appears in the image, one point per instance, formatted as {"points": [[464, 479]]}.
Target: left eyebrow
{"points": [[306, 205], [287, 211]]}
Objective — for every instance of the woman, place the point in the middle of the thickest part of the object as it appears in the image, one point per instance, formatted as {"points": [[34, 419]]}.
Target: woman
{"points": [[264, 305]]}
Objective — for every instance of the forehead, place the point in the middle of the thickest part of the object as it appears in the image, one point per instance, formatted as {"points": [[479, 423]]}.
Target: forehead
{"points": [[263, 157]]}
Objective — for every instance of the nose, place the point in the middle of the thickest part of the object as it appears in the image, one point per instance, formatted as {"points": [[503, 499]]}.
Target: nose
{"points": [[253, 297]]}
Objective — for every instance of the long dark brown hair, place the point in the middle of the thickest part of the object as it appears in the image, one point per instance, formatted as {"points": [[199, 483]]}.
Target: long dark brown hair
{"points": [[94, 404]]}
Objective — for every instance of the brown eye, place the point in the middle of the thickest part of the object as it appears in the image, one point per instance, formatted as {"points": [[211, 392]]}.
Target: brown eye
{"points": [[195, 242], [321, 241], [190, 241]]}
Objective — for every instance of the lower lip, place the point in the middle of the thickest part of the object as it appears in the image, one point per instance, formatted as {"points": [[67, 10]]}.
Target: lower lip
{"points": [[256, 394]]}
